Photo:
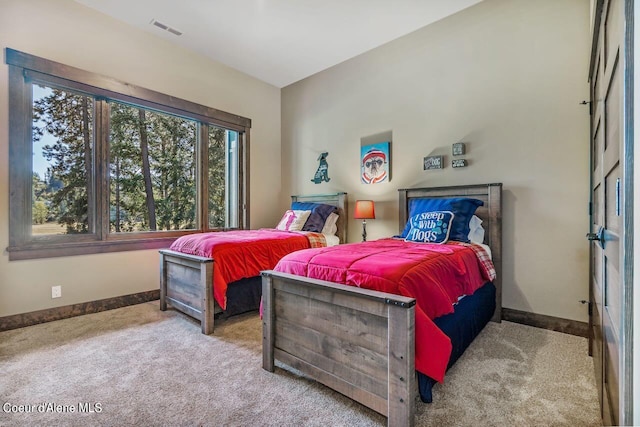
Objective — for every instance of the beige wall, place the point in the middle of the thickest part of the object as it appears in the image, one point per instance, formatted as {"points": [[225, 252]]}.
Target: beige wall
{"points": [[504, 76], [67, 32]]}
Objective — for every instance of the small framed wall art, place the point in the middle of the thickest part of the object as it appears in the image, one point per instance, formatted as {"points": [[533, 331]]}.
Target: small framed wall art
{"points": [[458, 149], [375, 165], [433, 162], [458, 163]]}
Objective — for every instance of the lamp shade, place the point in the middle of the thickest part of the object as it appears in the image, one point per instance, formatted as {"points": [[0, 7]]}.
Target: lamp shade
{"points": [[364, 210]]}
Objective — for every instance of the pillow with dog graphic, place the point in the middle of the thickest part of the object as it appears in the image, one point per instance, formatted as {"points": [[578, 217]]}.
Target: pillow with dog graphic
{"points": [[293, 220], [430, 227]]}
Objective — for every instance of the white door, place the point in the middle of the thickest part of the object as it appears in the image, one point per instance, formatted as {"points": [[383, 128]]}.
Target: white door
{"points": [[608, 315]]}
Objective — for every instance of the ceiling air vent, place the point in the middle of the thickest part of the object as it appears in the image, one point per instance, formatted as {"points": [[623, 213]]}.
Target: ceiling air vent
{"points": [[166, 27]]}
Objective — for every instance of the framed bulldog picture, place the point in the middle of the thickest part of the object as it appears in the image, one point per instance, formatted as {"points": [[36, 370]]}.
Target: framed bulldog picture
{"points": [[375, 165]]}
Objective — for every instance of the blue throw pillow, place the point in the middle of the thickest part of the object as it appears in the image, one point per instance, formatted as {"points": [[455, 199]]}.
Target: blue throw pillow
{"points": [[462, 208], [430, 227], [318, 216]]}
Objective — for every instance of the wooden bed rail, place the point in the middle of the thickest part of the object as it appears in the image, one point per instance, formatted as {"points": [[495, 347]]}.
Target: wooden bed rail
{"points": [[185, 283], [356, 341]]}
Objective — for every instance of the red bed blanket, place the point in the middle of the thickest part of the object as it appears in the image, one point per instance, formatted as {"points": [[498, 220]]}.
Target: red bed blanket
{"points": [[240, 254], [435, 275]]}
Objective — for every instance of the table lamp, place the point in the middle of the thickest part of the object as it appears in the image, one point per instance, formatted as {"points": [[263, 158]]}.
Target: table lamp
{"points": [[364, 211]]}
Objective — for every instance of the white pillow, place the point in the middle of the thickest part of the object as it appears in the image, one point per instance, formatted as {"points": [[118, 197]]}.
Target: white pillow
{"points": [[293, 220], [475, 222], [330, 226], [476, 231]]}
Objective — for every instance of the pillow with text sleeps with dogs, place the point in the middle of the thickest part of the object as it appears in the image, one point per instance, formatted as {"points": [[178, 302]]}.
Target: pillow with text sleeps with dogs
{"points": [[463, 209], [293, 220], [319, 214], [430, 227]]}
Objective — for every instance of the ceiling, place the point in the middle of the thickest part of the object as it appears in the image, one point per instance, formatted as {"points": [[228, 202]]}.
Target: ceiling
{"points": [[280, 41]]}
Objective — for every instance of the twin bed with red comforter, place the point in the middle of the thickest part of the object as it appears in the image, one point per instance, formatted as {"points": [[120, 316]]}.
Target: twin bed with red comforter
{"points": [[240, 254], [404, 309], [199, 270], [435, 275]]}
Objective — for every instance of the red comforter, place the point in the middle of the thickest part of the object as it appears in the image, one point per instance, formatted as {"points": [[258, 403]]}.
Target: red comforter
{"points": [[240, 254], [435, 275]]}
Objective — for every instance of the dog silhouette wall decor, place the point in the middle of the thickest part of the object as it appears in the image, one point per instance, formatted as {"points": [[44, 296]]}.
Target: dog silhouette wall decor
{"points": [[322, 173]]}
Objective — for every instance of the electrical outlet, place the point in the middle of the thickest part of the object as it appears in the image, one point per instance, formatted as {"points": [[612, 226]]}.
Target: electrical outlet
{"points": [[56, 291]]}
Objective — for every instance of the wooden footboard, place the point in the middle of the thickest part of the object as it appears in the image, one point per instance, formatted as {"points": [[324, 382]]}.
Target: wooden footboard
{"points": [[356, 341], [185, 283]]}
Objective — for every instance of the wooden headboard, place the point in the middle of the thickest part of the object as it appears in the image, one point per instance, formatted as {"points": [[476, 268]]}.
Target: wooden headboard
{"points": [[490, 214], [338, 200]]}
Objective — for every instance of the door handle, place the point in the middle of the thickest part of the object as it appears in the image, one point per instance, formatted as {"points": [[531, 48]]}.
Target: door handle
{"points": [[599, 237]]}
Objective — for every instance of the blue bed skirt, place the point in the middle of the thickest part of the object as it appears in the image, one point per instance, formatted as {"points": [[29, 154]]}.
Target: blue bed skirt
{"points": [[471, 314], [242, 296]]}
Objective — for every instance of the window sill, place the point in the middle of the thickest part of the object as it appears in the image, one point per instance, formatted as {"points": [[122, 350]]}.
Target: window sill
{"points": [[37, 251]]}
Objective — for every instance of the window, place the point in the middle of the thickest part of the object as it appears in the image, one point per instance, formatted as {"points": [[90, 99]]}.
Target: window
{"points": [[62, 166], [152, 171], [97, 165], [223, 178]]}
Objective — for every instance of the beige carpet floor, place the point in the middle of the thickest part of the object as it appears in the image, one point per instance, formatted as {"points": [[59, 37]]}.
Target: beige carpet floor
{"points": [[138, 366]]}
